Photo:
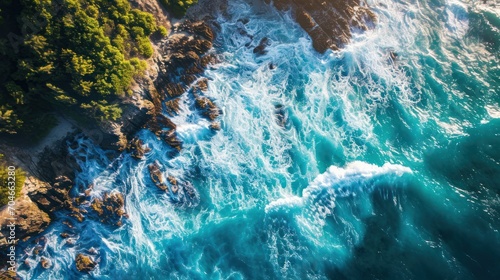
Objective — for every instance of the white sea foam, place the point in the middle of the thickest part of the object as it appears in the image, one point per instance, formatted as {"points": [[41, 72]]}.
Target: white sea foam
{"points": [[356, 177]]}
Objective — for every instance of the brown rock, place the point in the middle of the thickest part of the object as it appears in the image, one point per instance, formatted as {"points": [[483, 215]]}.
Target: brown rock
{"points": [[9, 275], [207, 107], [45, 263], [84, 263], [330, 23], [31, 221], [137, 149], [215, 126], [157, 176], [174, 90], [173, 106], [53, 198], [110, 208], [199, 28], [170, 137]]}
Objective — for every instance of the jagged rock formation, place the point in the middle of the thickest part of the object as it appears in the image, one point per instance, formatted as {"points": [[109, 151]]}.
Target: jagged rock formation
{"points": [[180, 192], [330, 23], [157, 176], [184, 61], [85, 263], [137, 149], [52, 198], [110, 208]]}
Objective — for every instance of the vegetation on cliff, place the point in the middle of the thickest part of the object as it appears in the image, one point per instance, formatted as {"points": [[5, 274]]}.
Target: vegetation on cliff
{"points": [[178, 7], [68, 55], [19, 177]]}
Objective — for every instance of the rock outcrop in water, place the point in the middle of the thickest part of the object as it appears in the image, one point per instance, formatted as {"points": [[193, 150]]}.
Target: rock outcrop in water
{"points": [[157, 176], [84, 263], [185, 56], [110, 208], [137, 149], [179, 192], [330, 23]]}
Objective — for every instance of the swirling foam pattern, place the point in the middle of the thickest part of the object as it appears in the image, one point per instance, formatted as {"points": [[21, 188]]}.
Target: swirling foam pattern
{"points": [[343, 165]]}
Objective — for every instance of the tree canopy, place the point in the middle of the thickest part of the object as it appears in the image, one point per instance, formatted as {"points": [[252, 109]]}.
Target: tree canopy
{"points": [[178, 7], [78, 55]]}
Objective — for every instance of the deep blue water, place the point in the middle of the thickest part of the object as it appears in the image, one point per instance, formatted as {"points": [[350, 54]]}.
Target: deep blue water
{"points": [[383, 170]]}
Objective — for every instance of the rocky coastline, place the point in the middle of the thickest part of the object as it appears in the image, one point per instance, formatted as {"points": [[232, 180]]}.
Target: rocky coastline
{"points": [[176, 70]]}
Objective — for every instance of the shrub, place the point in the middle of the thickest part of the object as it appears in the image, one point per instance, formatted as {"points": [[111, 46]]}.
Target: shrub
{"points": [[5, 193]]}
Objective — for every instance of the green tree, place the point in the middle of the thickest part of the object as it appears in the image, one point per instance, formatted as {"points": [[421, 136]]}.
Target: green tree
{"points": [[178, 7], [78, 54]]}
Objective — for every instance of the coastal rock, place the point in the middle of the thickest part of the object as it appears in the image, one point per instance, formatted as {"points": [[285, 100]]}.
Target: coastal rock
{"points": [[30, 221], [56, 161], [215, 126], [173, 184], [84, 263], [200, 28], [330, 23], [45, 263], [201, 85], [172, 106], [110, 208], [115, 135], [207, 107], [9, 275], [261, 48], [52, 198], [157, 176], [170, 137], [137, 149]]}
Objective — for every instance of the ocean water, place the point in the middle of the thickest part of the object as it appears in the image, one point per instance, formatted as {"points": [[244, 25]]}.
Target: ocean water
{"points": [[346, 165]]}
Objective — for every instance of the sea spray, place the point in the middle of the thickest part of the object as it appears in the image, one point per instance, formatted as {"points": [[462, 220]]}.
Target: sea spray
{"points": [[314, 198]]}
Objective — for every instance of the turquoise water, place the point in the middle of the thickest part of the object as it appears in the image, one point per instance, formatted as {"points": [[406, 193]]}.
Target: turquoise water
{"points": [[383, 169]]}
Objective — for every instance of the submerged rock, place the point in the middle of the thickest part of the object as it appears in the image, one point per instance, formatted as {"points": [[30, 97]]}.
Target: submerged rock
{"points": [[84, 263], [261, 48], [281, 115]]}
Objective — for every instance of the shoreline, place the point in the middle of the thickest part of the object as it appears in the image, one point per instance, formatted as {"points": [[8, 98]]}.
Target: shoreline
{"points": [[175, 69], [50, 168]]}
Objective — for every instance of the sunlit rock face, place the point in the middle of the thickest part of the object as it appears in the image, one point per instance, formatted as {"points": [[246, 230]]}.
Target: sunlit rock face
{"points": [[330, 23]]}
